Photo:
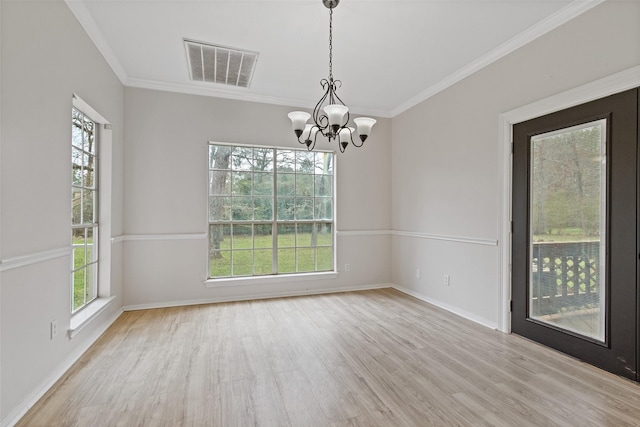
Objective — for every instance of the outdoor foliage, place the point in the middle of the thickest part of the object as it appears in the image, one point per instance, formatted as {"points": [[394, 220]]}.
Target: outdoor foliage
{"points": [[83, 161], [567, 177], [83, 208], [257, 192], [568, 186]]}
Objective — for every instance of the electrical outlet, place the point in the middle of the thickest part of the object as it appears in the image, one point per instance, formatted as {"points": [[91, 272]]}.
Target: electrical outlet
{"points": [[347, 267], [418, 273], [447, 280], [54, 328]]}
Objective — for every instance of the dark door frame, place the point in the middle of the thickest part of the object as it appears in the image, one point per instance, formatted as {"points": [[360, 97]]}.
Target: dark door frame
{"points": [[638, 246], [618, 354], [614, 83]]}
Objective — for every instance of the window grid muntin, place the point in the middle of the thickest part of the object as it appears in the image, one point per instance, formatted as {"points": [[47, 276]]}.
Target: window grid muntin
{"points": [[247, 165], [85, 227]]}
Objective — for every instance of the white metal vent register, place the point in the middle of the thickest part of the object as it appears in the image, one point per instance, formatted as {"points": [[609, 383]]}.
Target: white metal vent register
{"points": [[219, 64]]}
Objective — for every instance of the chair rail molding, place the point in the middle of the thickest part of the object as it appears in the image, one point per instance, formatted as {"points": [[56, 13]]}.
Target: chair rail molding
{"points": [[33, 258], [457, 239], [339, 233], [167, 236]]}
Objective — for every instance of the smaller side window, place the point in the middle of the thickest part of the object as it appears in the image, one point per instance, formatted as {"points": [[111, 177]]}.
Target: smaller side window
{"points": [[84, 210]]}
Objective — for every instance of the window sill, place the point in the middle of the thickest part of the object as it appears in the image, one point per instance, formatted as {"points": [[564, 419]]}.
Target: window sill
{"points": [[82, 319], [260, 280]]}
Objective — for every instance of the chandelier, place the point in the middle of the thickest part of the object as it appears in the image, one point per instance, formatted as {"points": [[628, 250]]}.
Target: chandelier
{"points": [[330, 115]]}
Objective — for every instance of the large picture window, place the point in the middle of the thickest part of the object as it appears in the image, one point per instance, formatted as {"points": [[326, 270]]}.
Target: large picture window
{"points": [[84, 210], [270, 211]]}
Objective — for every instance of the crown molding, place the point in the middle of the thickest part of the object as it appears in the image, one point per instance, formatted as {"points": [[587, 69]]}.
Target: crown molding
{"points": [[239, 94], [564, 15], [85, 19]]}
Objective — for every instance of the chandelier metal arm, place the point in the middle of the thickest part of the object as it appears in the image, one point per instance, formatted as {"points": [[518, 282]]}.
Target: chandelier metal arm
{"points": [[358, 138], [320, 119], [335, 95], [311, 143]]}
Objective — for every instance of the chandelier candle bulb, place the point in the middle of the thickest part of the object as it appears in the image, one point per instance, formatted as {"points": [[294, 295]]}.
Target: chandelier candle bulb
{"points": [[364, 126], [345, 136], [298, 120], [336, 113]]}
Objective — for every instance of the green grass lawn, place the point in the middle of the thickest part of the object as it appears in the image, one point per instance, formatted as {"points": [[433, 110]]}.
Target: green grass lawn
{"points": [[81, 293], [255, 256]]}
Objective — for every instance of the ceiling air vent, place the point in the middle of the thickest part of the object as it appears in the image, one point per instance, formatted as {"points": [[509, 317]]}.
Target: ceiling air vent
{"points": [[219, 64]]}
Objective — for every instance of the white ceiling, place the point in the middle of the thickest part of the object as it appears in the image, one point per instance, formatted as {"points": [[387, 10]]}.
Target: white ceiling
{"points": [[389, 54]]}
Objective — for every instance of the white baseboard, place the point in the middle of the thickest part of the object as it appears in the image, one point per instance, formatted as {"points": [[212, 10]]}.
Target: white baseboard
{"points": [[15, 415], [455, 310], [292, 293]]}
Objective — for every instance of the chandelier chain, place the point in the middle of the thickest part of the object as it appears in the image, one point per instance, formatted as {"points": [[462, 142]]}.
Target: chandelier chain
{"points": [[331, 44]]}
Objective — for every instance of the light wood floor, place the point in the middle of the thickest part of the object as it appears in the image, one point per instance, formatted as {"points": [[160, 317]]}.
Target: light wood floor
{"points": [[373, 358]]}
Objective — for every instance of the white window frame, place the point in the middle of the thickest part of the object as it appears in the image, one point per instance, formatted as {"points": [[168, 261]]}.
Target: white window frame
{"points": [[81, 318], [88, 268], [274, 275]]}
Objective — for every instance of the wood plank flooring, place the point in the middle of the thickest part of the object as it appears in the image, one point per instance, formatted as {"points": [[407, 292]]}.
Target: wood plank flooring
{"points": [[372, 358]]}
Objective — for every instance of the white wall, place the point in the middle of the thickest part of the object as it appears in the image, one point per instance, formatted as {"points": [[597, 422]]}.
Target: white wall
{"points": [[46, 57], [446, 164], [166, 186]]}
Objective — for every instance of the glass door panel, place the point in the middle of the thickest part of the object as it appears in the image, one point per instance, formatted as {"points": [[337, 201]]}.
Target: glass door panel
{"points": [[568, 223]]}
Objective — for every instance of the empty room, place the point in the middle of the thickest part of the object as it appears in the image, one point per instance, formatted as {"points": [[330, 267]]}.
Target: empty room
{"points": [[319, 213]]}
